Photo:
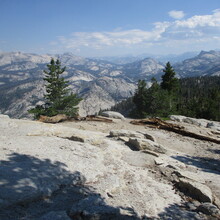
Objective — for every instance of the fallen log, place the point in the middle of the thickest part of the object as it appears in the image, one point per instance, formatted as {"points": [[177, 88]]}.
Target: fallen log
{"points": [[92, 118], [54, 119], [97, 118], [160, 124]]}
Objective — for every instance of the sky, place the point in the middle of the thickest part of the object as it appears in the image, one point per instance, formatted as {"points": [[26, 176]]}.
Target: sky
{"points": [[95, 28]]}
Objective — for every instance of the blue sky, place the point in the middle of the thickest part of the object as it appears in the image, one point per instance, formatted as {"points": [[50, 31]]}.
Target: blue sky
{"points": [[109, 27]]}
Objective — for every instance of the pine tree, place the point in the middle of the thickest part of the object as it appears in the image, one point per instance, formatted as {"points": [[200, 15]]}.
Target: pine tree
{"points": [[139, 98], [170, 84], [58, 99], [169, 81]]}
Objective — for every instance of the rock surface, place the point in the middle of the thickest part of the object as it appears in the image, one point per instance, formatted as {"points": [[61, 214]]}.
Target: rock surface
{"points": [[75, 170]]}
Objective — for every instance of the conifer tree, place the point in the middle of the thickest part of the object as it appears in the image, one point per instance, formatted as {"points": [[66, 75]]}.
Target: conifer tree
{"points": [[139, 98], [170, 84], [169, 81], [58, 99]]}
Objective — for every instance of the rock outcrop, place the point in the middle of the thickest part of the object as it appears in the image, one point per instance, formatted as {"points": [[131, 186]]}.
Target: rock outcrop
{"points": [[67, 171], [198, 122]]}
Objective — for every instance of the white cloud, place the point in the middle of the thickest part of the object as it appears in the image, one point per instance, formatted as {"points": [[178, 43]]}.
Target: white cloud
{"points": [[176, 14], [194, 31], [107, 39], [201, 21]]}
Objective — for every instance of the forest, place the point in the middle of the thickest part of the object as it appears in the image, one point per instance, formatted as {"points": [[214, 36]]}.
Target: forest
{"points": [[197, 97]]}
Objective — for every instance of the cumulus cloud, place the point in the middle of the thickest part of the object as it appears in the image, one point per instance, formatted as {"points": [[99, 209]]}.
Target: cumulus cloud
{"points": [[99, 40], [197, 29], [176, 14], [212, 20]]}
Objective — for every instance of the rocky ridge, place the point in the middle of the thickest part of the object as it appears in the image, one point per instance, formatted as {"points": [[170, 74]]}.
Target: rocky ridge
{"points": [[87, 170], [101, 83]]}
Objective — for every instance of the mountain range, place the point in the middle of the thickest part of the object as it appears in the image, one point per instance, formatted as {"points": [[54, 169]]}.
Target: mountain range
{"points": [[101, 83]]}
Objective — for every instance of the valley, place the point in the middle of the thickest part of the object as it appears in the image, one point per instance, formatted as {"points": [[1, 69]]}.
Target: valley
{"points": [[100, 83]]}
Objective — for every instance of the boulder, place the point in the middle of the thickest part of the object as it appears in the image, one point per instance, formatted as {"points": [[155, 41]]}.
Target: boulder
{"points": [[144, 144], [53, 119], [59, 215], [209, 209], [111, 114], [195, 190]]}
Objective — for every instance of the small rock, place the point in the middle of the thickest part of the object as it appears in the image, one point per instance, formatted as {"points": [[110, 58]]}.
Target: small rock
{"points": [[150, 152], [59, 215], [191, 206], [125, 139], [111, 114], [144, 144], [159, 161], [209, 209], [150, 137]]}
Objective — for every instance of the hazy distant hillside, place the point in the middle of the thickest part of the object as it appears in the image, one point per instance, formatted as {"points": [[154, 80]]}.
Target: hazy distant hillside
{"points": [[101, 83], [173, 58], [21, 83], [205, 63]]}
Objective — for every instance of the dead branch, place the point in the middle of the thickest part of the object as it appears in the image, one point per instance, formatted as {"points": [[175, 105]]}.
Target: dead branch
{"points": [[160, 124], [93, 118]]}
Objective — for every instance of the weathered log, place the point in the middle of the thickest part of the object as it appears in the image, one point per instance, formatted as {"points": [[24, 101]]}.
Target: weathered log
{"points": [[97, 118], [54, 119], [160, 124], [92, 118]]}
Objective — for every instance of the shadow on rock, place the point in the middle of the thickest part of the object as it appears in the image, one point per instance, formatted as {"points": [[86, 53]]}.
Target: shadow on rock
{"points": [[215, 151], [207, 164], [177, 212], [31, 188]]}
